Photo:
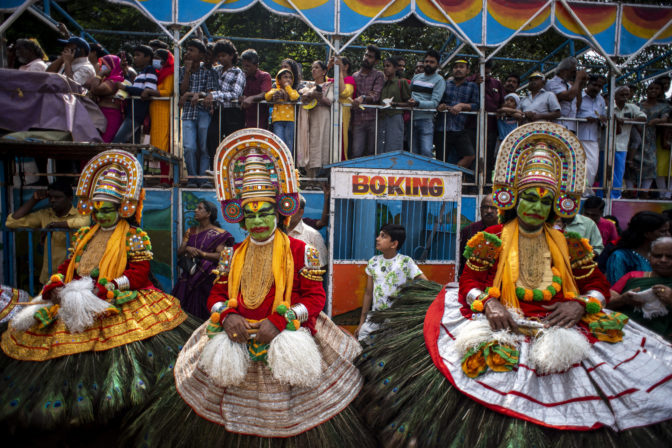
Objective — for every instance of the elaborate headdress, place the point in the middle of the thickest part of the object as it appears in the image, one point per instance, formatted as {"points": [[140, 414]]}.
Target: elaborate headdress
{"points": [[112, 176], [545, 155], [255, 165]]}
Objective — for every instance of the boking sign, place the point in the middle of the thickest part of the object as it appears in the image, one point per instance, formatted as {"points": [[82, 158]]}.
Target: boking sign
{"points": [[358, 183]]}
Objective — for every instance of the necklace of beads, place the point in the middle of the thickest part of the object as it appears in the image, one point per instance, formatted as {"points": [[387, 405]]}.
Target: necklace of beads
{"points": [[538, 295]]}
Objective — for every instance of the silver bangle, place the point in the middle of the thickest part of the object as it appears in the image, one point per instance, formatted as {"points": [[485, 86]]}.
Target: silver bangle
{"points": [[218, 307], [301, 312], [122, 283], [473, 295], [597, 294]]}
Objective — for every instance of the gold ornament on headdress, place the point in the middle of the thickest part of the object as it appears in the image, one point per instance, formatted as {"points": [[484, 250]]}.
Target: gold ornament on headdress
{"points": [[540, 154], [112, 176]]}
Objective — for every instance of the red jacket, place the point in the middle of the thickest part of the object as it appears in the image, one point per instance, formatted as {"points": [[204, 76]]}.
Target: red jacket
{"points": [[470, 279], [306, 291]]}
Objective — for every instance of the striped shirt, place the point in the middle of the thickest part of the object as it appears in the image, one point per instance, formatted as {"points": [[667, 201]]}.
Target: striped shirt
{"points": [[145, 80], [231, 86], [427, 90]]}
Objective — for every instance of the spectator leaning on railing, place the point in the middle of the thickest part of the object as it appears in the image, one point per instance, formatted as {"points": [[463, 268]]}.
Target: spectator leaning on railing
{"points": [[257, 83], [369, 87], [593, 109], [539, 104], [459, 96], [137, 109], [427, 87], [623, 111], [566, 84], [60, 214], [494, 99], [103, 86], [227, 116], [511, 84], [196, 81], [391, 121]]}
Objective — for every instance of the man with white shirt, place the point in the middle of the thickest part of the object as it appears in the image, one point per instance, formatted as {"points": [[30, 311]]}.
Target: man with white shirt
{"points": [[297, 229], [539, 104], [623, 111], [592, 108], [74, 61], [566, 84]]}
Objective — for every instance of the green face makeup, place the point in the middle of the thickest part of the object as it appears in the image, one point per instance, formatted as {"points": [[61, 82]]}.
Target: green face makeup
{"points": [[105, 213], [260, 219], [534, 207]]}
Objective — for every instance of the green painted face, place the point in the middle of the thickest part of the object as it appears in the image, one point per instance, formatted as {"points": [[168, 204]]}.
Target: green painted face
{"points": [[260, 219], [105, 213], [534, 206]]}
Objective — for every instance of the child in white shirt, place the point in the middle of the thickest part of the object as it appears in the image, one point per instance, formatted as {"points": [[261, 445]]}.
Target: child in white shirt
{"points": [[385, 274]]}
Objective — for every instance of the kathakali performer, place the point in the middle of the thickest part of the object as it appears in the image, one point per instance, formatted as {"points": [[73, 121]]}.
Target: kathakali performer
{"points": [[100, 334], [269, 368], [522, 353]]}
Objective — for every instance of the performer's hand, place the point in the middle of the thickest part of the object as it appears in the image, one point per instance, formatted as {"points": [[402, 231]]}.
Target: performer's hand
{"points": [[498, 316], [564, 314], [236, 327], [267, 331]]}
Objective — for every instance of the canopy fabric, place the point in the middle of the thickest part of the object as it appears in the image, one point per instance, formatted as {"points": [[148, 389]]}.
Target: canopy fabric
{"points": [[620, 29]]}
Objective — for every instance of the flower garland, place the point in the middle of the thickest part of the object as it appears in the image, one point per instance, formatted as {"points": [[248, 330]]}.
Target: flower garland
{"points": [[538, 295], [478, 305]]}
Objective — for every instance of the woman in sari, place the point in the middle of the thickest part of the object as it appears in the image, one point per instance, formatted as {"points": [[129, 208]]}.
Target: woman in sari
{"points": [[346, 91], [635, 243], [203, 243], [159, 110], [103, 86], [646, 296], [317, 102]]}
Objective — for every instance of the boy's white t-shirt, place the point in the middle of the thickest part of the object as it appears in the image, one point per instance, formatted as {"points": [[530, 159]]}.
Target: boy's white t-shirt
{"points": [[388, 275]]}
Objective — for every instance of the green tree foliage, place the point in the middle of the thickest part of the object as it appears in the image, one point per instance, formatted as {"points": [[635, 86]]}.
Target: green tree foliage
{"points": [[410, 38]]}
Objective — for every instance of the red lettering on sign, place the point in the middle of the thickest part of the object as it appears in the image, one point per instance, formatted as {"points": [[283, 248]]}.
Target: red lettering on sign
{"points": [[377, 185], [436, 187], [360, 184], [393, 186], [421, 183]]}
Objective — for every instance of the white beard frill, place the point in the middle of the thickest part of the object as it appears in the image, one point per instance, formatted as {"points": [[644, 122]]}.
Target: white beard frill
{"points": [[79, 305], [224, 361], [294, 358], [557, 349], [25, 317]]}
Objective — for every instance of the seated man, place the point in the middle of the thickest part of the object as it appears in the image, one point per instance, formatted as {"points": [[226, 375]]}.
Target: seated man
{"points": [[59, 215], [74, 61], [269, 364], [529, 356]]}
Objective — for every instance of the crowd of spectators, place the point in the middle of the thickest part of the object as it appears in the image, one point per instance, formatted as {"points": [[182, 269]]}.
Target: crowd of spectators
{"points": [[427, 113]]}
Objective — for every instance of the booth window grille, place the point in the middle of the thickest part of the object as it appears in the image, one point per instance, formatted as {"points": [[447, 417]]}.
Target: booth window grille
{"points": [[431, 228]]}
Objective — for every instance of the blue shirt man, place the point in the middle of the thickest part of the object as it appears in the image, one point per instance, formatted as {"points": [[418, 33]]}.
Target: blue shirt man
{"points": [[426, 93]]}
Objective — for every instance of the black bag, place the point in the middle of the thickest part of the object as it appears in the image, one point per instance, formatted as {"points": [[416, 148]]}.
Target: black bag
{"points": [[187, 264]]}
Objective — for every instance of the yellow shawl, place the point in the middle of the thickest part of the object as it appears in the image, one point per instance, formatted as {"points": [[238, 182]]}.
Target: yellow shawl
{"points": [[508, 267], [113, 263], [282, 267]]}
